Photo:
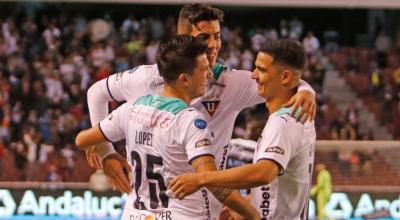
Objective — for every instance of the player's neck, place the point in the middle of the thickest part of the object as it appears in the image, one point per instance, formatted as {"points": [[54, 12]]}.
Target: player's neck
{"points": [[275, 103], [173, 92]]}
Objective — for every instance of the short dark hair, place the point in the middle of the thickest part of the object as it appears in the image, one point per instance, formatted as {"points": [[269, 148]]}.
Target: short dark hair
{"points": [[179, 55], [286, 52], [191, 14]]}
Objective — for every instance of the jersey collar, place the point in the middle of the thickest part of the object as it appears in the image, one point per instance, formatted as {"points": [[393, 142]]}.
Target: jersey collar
{"points": [[217, 69]]}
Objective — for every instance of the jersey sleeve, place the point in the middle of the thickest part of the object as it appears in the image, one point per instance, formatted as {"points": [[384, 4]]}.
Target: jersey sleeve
{"points": [[196, 138], [114, 125], [304, 86], [279, 141], [128, 85]]}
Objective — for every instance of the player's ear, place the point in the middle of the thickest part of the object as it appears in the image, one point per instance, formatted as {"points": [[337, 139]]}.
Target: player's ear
{"points": [[287, 76], [183, 77]]}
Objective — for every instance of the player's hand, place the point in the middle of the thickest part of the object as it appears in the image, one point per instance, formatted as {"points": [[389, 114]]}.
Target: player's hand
{"points": [[229, 214], [118, 172], [305, 100], [93, 158], [185, 184]]}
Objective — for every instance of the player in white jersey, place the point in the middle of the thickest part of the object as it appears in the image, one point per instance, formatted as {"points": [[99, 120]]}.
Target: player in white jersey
{"points": [[165, 137], [228, 91], [280, 175]]}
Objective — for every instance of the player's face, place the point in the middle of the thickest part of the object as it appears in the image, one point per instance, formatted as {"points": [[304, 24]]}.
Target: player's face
{"points": [[199, 78], [267, 76], [211, 32]]}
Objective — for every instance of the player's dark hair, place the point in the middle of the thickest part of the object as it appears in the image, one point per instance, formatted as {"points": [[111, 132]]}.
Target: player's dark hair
{"points": [[286, 52], [179, 55], [191, 14]]}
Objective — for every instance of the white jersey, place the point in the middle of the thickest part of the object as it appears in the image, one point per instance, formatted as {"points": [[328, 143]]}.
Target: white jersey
{"points": [[228, 93], [291, 145], [163, 135]]}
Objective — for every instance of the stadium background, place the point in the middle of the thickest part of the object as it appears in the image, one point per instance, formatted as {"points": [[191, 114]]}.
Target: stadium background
{"points": [[45, 72]]}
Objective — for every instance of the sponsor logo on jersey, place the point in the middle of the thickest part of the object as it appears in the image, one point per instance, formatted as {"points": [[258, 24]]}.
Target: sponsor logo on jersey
{"points": [[276, 149], [265, 202], [154, 85], [222, 164], [200, 123], [149, 120], [166, 215], [202, 143], [207, 203], [211, 106]]}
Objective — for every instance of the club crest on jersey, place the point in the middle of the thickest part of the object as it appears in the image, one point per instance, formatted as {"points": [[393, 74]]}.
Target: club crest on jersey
{"points": [[200, 123], [276, 149], [211, 106]]}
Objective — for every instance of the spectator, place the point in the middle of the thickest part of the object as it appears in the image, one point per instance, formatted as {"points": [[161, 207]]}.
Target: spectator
{"points": [[247, 60], [2, 149], [68, 166], [388, 99], [352, 116], [99, 30], [396, 78], [52, 174], [331, 40], [20, 159], [383, 44], [151, 51], [296, 29], [257, 40], [375, 82], [51, 36], [311, 44], [30, 140]]}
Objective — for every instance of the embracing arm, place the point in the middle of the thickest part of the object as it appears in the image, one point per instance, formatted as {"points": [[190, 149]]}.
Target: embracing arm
{"points": [[242, 177], [98, 98], [304, 86], [89, 137], [230, 198], [304, 98], [246, 176]]}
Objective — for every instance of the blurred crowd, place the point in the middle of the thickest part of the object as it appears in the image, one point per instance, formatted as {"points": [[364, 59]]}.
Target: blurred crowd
{"points": [[47, 63]]}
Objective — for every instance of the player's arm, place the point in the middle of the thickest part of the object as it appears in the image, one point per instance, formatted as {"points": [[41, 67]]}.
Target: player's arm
{"points": [[199, 150], [304, 98], [271, 161], [89, 137], [94, 136], [98, 98], [230, 198], [247, 176], [113, 88], [110, 129]]}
